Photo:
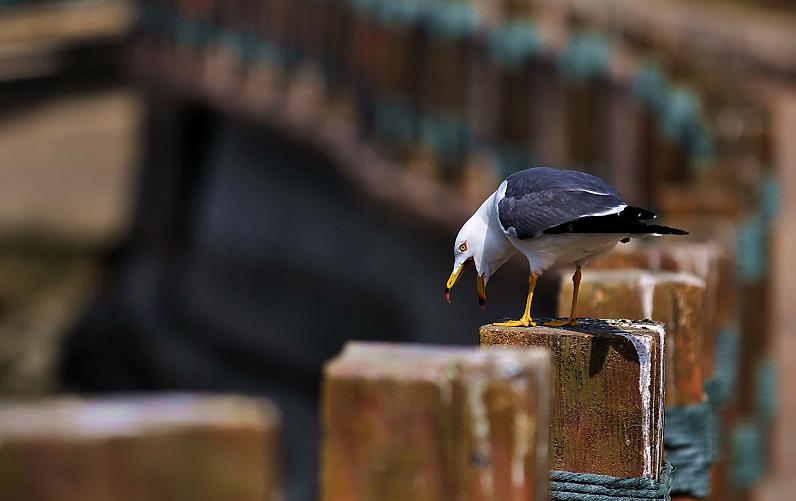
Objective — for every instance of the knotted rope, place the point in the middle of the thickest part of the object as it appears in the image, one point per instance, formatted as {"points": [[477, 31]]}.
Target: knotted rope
{"points": [[446, 19], [721, 387], [513, 43], [689, 448], [586, 56], [677, 110], [568, 486], [681, 122], [748, 455]]}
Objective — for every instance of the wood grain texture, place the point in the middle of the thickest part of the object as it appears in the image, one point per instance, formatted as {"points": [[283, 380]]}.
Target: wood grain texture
{"points": [[672, 298], [428, 423], [701, 259], [143, 449], [607, 389]]}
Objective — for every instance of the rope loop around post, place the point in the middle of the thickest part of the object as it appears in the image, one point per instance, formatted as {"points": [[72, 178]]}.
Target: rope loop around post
{"points": [[689, 448], [514, 43], [721, 388], [586, 56], [568, 486]]}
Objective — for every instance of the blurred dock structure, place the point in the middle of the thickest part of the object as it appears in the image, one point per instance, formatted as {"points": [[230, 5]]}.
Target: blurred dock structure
{"points": [[142, 448], [683, 106], [67, 147], [434, 423], [39, 38], [424, 105]]}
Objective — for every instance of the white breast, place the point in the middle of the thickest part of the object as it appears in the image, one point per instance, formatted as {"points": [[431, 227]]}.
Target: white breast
{"points": [[546, 251]]}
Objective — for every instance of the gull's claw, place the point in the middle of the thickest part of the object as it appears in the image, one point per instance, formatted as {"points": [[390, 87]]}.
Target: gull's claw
{"points": [[523, 322], [568, 322]]}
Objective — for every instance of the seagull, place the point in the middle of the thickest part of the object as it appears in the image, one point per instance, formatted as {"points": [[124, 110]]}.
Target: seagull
{"points": [[555, 218]]}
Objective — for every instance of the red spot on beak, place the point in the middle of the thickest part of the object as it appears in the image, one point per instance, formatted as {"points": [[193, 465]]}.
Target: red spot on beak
{"points": [[447, 295]]}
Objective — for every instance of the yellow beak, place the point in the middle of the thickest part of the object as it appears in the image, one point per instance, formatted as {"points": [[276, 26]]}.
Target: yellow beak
{"points": [[481, 288], [452, 281]]}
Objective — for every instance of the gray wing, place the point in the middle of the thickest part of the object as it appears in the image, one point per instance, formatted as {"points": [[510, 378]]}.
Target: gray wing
{"points": [[541, 198]]}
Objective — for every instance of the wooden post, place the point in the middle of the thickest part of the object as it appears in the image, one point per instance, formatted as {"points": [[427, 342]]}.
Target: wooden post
{"points": [[142, 449], [607, 381], [702, 260], [672, 298], [431, 423], [446, 74]]}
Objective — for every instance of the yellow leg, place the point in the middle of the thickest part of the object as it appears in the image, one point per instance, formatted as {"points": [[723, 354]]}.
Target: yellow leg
{"points": [[525, 321], [571, 320]]}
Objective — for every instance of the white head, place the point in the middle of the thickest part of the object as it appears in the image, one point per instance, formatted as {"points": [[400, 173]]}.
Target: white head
{"points": [[482, 242]]}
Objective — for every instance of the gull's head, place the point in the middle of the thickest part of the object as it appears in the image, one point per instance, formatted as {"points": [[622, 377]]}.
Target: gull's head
{"points": [[468, 248]]}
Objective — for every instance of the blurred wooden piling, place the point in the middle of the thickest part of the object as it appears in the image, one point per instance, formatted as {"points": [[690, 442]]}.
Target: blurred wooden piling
{"points": [[429, 423], [163, 448], [607, 402], [715, 264], [672, 298], [701, 259], [676, 299]]}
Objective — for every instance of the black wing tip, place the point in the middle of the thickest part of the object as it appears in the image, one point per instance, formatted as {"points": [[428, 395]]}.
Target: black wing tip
{"points": [[666, 230], [639, 213]]}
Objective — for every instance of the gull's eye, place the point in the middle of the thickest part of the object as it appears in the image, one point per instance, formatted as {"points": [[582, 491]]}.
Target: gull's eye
{"points": [[463, 247]]}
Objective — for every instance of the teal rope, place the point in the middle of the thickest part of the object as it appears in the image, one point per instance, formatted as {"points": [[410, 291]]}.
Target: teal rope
{"points": [[586, 56], [677, 110], [769, 199], [688, 447], [447, 19], [447, 136], [568, 486], [681, 122], [235, 42], [394, 120], [365, 6], [649, 86], [748, 439], [750, 258], [399, 12], [721, 387], [514, 43], [748, 463], [766, 378]]}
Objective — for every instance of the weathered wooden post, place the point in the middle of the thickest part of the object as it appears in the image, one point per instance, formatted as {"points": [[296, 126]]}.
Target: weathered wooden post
{"points": [[711, 261], [606, 420], [430, 423], [446, 74], [675, 299], [584, 65], [140, 448], [701, 259]]}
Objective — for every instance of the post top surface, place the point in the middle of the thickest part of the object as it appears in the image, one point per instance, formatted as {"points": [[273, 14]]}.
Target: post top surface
{"points": [[586, 327], [639, 275], [426, 362], [132, 415]]}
